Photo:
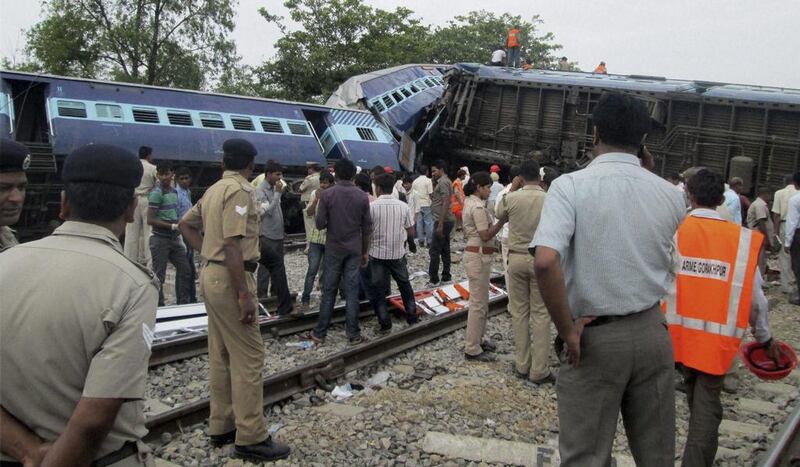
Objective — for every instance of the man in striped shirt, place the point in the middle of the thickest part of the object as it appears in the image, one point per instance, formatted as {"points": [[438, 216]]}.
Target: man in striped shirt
{"points": [[393, 223]]}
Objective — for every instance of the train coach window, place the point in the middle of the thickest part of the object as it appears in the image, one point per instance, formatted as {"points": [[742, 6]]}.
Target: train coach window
{"points": [[108, 111], [413, 88], [271, 126], [378, 105], [210, 120], [297, 128], [397, 96], [406, 92], [387, 99], [71, 109], [366, 134], [179, 118], [430, 82], [145, 115], [242, 123]]}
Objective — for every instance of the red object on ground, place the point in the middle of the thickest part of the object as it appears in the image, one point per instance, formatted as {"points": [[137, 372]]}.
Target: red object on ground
{"points": [[494, 168], [755, 358], [397, 301]]}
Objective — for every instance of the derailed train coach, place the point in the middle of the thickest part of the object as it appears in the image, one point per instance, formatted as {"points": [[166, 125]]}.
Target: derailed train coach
{"points": [[53, 115], [503, 115]]}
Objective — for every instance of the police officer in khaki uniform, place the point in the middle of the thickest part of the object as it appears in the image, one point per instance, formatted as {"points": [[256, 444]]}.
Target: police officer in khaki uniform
{"points": [[522, 208], [309, 185], [76, 323], [228, 218], [478, 258], [137, 233], [14, 161]]}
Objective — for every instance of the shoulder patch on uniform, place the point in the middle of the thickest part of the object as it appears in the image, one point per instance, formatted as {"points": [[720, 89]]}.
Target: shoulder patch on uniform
{"points": [[147, 335], [241, 210]]}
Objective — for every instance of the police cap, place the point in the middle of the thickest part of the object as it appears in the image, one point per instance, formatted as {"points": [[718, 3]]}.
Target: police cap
{"points": [[103, 163], [14, 157], [238, 147]]}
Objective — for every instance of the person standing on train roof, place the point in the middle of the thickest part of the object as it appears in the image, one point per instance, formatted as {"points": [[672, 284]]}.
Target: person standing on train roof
{"points": [[137, 233], [14, 161], [513, 45], [601, 69], [604, 301], [165, 241], [223, 226], [268, 195], [76, 323], [443, 222], [308, 186], [183, 178], [479, 231]]}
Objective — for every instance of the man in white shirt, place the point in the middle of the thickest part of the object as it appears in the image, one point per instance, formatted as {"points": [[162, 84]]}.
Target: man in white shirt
{"points": [[422, 186], [791, 244], [780, 206], [733, 204], [498, 57]]}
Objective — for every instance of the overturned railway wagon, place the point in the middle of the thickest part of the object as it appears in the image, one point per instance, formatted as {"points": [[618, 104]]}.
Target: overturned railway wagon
{"points": [[503, 115], [53, 115]]}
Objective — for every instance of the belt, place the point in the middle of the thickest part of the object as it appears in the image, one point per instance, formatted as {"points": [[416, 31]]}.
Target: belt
{"points": [[601, 320], [128, 449], [249, 266], [486, 250]]}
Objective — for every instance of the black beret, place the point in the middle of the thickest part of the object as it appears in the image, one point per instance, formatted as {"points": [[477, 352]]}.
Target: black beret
{"points": [[14, 157], [238, 147], [103, 163]]}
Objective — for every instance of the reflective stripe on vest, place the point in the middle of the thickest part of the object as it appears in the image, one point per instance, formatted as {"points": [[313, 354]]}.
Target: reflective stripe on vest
{"points": [[708, 306]]}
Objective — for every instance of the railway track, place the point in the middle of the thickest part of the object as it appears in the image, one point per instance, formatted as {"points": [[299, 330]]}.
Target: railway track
{"points": [[284, 384], [785, 449]]}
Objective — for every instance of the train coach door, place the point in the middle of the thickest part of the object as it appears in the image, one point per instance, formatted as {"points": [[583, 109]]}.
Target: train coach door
{"points": [[30, 123], [321, 127]]}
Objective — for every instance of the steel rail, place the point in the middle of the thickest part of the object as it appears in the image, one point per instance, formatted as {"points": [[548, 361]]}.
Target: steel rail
{"points": [[785, 450], [282, 385]]}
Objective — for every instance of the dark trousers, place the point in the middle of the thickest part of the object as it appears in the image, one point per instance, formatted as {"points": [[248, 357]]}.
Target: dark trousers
{"points": [[626, 366], [316, 251], [169, 247], [192, 276], [380, 271], [794, 254], [367, 291], [335, 266], [705, 414], [440, 248], [272, 259]]}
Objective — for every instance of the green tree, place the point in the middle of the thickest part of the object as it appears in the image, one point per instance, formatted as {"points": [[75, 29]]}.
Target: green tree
{"points": [[472, 38], [339, 39], [181, 43]]}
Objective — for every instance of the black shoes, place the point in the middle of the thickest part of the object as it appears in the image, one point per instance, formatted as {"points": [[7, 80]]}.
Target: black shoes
{"points": [[218, 441], [481, 357], [268, 450], [447, 278], [488, 346], [383, 331], [357, 340]]}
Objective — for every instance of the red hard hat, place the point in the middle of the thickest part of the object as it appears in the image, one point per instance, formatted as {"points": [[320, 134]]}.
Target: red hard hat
{"points": [[754, 356], [494, 168], [388, 170]]}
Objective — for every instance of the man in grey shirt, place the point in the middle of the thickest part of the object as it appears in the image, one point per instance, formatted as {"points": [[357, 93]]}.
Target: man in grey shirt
{"points": [[603, 252], [270, 238]]}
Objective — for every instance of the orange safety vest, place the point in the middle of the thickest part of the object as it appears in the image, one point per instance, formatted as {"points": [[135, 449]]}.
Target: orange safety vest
{"points": [[600, 69], [708, 306], [513, 40]]}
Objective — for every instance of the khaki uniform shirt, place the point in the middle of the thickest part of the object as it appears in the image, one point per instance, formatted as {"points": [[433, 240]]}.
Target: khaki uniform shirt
{"points": [[780, 205], [226, 210], [7, 238], [308, 186], [76, 320], [758, 210], [149, 178], [522, 209], [476, 218]]}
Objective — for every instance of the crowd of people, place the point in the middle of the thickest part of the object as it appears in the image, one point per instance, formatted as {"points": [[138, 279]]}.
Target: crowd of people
{"points": [[639, 275]]}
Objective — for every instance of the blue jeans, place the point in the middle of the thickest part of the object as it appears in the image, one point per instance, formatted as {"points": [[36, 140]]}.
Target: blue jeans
{"points": [[380, 270], [336, 265], [425, 225], [513, 57], [315, 253]]}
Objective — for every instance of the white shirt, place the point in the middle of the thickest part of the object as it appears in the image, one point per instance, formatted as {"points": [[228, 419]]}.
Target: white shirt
{"points": [[497, 187], [390, 219], [498, 55], [781, 202], [792, 219], [733, 204], [423, 187]]}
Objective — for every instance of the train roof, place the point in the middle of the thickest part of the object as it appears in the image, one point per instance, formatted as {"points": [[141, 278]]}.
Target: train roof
{"points": [[368, 85], [641, 83], [26, 75]]}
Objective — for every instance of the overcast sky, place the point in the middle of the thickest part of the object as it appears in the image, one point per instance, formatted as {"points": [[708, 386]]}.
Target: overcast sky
{"points": [[737, 41]]}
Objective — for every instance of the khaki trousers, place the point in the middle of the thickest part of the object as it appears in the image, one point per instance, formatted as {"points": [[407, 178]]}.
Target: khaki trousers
{"points": [[137, 235], [527, 308], [236, 358], [785, 263], [478, 266]]}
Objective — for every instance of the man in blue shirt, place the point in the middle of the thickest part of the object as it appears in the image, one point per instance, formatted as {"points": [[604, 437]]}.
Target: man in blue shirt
{"points": [[183, 180]]}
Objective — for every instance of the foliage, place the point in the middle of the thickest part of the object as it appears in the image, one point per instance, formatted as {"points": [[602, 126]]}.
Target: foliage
{"points": [[181, 43]]}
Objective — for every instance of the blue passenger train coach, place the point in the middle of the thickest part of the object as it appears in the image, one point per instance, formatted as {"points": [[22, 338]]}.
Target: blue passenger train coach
{"points": [[53, 115]]}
